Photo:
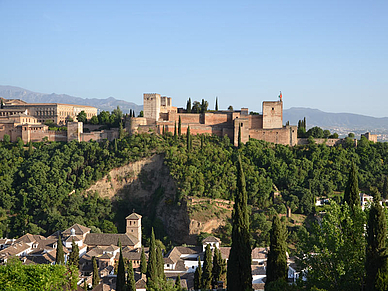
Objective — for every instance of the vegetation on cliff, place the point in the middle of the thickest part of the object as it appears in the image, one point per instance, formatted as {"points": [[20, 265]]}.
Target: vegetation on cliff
{"points": [[42, 184]]}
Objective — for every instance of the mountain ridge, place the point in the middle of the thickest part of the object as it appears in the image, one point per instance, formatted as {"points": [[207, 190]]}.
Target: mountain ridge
{"points": [[108, 104]]}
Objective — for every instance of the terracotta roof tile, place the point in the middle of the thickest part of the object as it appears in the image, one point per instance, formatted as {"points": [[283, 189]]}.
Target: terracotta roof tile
{"points": [[107, 239]]}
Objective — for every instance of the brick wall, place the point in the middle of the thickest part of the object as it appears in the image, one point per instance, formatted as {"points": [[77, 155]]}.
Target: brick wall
{"points": [[256, 121], [286, 135]]}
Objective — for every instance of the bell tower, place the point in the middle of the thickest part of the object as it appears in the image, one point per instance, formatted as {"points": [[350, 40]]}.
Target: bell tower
{"points": [[134, 225]]}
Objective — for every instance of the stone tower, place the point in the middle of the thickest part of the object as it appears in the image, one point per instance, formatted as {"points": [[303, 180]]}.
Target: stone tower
{"points": [[134, 225], [272, 114], [151, 105]]}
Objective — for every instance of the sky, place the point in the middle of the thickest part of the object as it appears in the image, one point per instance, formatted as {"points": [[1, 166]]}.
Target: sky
{"points": [[329, 55]]}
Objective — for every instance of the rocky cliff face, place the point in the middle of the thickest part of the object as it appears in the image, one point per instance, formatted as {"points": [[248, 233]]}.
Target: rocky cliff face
{"points": [[148, 188]]}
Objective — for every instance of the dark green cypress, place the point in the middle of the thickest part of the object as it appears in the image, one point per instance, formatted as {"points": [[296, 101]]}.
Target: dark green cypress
{"points": [[131, 284], [164, 130], [188, 106], [207, 269], [188, 136], [179, 126], [160, 263], [175, 136], [216, 104], [143, 262], [385, 188], [30, 149], [60, 256], [216, 271], [239, 274], [277, 257], [152, 271], [74, 254], [198, 276], [352, 193], [239, 135], [120, 282], [2, 104], [178, 286], [376, 246], [96, 277]]}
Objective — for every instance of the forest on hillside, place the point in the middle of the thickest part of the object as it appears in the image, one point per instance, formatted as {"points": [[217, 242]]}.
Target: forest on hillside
{"points": [[42, 185]]}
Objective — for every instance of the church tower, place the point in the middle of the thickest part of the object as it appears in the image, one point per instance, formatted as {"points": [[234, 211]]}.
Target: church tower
{"points": [[134, 225]]}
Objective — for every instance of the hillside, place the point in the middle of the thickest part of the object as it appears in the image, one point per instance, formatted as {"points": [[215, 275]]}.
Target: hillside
{"points": [[108, 104]]}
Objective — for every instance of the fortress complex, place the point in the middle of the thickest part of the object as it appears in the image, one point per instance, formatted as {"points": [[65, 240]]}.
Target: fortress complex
{"points": [[159, 114]]}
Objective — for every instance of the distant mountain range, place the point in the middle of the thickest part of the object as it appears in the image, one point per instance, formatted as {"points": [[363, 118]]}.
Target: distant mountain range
{"points": [[108, 104]]}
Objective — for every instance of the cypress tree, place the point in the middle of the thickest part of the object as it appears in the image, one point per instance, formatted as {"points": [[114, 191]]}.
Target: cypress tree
{"points": [[143, 262], [178, 283], [30, 149], [164, 130], [2, 104], [352, 193], [277, 258], [188, 106], [198, 276], [151, 266], [60, 256], [239, 274], [207, 269], [175, 130], [385, 188], [216, 104], [188, 136], [239, 135], [120, 282], [131, 284], [74, 254], [179, 126], [160, 263], [96, 277], [376, 260], [219, 268]]}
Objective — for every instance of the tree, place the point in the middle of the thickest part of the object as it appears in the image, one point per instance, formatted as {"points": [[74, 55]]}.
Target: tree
{"points": [[152, 268], [204, 106], [196, 107], [334, 260], [6, 138], [74, 255], [277, 258], [2, 104], [188, 106], [143, 262], [179, 126], [351, 135], [207, 269], [216, 107], [315, 132], [239, 274], [81, 117], [376, 255], [230, 108], [219, 268], [160, 263], [121, 130], [326, 133], [131, 284], [60, 256], [385, 188], [189, 142], [96, 277], [141, 114], [239, 135], [352, 193], [178, 286], [93, 120], [175, 130], [120, 282], [198, 276]]}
